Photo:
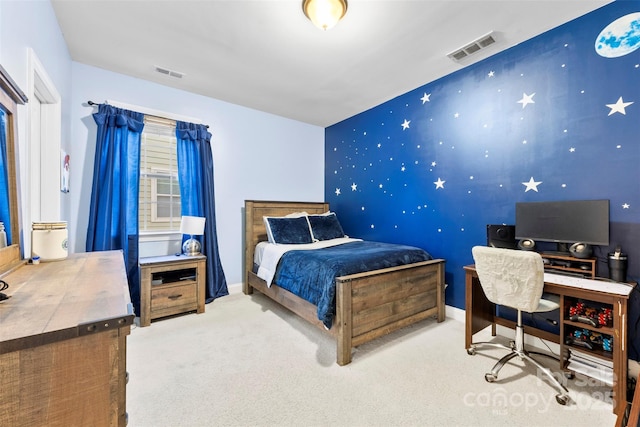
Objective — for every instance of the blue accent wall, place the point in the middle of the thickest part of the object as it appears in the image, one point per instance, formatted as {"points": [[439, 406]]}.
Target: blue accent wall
{"points": [[554, 118]]}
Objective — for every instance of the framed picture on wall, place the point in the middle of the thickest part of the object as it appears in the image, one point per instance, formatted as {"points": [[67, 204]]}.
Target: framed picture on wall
{"points": [[64, 175]]}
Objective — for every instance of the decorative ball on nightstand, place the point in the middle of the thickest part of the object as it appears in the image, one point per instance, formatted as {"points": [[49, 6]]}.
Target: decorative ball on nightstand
{"points": [[191, 247]]}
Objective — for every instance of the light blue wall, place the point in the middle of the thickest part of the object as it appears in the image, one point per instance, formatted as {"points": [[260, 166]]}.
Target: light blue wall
{"points": [[252, 151], [26, 25], [256, 155], [33, 24]]}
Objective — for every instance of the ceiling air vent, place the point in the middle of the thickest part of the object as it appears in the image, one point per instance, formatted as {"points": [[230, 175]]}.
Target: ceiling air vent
{"points": [[171, 73], [473, 47]]}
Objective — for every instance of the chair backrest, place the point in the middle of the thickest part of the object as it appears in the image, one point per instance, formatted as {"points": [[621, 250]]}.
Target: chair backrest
{"points": [[509, 277]]}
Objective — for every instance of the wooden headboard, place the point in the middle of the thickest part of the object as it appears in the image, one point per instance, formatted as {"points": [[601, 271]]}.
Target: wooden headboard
{"points": [[255, 230]]}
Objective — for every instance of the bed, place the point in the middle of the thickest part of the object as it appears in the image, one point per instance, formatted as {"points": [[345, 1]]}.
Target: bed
{"points": [[367, 305]]}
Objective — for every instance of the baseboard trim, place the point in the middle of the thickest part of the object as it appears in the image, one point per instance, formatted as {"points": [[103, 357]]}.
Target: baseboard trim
{"points": [[455, 313], [234, 288]]}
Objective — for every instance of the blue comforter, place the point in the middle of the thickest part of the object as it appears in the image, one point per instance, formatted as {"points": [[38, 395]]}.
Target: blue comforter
{"points": [[311, 274]]}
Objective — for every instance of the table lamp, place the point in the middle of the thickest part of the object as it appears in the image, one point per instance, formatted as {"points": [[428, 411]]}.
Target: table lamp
{"points": [[193, 226]]}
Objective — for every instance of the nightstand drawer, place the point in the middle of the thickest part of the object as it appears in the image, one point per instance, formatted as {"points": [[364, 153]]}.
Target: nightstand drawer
{"points": [[167, 300]]}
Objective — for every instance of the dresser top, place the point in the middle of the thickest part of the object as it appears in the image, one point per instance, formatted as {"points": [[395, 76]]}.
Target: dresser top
{"points": [[51, 301]]}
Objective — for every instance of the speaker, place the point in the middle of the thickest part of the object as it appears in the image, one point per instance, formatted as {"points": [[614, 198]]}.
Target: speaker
{"points": [[580, 250], [527, 245], [501, 236]]}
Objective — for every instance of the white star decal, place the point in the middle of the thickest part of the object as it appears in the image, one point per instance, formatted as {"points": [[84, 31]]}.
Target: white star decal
{"points": [[531, 185], [433, 163], [618, 107], [425, 97], [354, 186], [491, 73], [572, 150], [526, 99], [405, 124], [439, 183], [337, 191], [625, 206]]}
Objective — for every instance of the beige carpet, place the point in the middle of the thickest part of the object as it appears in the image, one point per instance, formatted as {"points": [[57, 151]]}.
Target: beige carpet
{"points": [[248, 362]]}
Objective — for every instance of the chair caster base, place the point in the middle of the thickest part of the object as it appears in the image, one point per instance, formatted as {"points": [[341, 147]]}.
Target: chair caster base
{"points": [[471, 351], [490, 377], [562, 399]]}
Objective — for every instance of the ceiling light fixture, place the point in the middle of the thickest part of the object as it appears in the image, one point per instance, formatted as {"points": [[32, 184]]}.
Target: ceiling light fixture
{"points": [[324, 13]]}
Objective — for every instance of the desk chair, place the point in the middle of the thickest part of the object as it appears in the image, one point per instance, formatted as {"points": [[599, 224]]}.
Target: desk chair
{"points": [[515, 279]]}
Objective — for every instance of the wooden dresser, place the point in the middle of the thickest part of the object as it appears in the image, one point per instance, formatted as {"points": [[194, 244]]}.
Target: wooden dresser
{"points": [[63, 342]]}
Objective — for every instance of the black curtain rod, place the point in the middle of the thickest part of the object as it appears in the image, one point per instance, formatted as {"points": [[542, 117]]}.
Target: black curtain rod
{"points": [[91, 103]]}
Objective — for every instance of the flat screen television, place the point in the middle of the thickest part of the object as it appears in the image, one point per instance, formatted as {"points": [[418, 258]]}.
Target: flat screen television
{"points": [[564, 222]]}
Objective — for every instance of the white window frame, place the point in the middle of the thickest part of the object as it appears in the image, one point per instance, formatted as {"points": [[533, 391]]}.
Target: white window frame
{"points": [[154, 193], [152, 174]]}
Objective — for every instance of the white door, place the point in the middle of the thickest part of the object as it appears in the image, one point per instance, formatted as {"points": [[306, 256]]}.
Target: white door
{"points": [[43, 150]]}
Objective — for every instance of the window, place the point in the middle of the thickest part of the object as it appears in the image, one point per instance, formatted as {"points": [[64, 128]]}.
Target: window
{"points": [[159, 197]]}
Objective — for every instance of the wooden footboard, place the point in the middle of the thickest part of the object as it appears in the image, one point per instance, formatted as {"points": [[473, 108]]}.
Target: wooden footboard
{"points": [[368, 305]]}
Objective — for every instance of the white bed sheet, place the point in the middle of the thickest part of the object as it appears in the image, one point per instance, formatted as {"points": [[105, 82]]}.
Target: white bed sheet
{"points": [[267, 255]]}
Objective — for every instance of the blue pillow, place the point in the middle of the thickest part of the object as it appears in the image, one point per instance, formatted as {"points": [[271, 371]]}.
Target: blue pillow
{"points": [[325, 227], [288, 230]]}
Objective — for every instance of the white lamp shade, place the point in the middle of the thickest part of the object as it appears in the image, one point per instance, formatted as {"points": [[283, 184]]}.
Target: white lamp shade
{"points": [[193, 225]]}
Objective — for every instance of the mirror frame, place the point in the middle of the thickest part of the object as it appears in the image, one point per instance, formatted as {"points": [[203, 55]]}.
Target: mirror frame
{"points": [[10, 97]]}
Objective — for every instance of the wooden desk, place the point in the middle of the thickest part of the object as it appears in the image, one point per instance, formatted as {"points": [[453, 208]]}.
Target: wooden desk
{"points": [[63, 342], [633, 420], [481, 313]]}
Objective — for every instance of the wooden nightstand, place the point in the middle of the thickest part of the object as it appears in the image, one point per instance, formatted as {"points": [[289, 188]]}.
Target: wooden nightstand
{"points": [[171, 284]]}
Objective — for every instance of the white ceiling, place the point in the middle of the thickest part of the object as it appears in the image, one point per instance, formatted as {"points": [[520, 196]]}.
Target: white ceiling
{"points": [[266, 55]]}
